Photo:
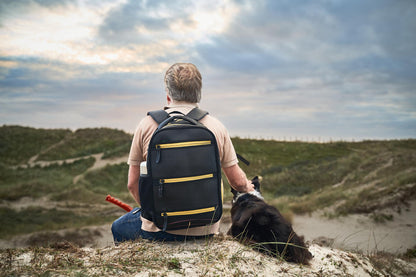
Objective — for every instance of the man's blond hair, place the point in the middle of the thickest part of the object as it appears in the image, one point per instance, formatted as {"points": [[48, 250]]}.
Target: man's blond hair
{"points": [[184, 82]]}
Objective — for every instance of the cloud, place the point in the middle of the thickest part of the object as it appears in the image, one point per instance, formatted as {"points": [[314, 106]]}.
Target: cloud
{"points": [[278, 68]]}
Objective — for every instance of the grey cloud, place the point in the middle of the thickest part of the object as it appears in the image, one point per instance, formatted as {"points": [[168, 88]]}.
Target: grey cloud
{"points": [[121, 24], [230, 56], [13, 7], [321, 34], [40, 78]]}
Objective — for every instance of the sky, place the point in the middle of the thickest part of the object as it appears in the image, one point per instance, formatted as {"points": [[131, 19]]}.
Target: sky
{"points": [[273, 69]]}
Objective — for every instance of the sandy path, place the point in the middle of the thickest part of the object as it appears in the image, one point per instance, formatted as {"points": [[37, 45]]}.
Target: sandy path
{"points": [[100, 163], [359, 232]]}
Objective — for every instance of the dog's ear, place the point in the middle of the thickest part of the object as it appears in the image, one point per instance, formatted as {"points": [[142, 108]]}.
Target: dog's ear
{"points": [[256, 183], [234, 192]]}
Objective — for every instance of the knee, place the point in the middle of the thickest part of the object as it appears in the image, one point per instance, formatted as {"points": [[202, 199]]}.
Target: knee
{"points": [[116, 231], [115, 227]]}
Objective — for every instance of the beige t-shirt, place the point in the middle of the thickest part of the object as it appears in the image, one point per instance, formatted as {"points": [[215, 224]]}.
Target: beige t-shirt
{"points": [[140, 144]]}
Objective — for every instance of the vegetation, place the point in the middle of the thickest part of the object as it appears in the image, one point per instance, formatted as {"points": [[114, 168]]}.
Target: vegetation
{"points": [[218, 256], [35, 219], [18, 144], [85, 142], [351, 177], [298, 177], [112, 179], [40, 181]]}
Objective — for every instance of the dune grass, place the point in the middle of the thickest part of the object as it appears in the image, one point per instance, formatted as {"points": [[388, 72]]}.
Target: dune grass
{"points": [[298, 177], [34, 219], [40, 181], [85, 142], [18, 144]]}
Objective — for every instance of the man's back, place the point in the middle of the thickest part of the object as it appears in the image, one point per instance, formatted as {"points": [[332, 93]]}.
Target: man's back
{"points": [[141, 140]]}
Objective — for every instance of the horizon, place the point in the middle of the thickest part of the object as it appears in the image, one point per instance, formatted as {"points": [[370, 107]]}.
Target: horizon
{"points": [[340, 70], [278, 139]]}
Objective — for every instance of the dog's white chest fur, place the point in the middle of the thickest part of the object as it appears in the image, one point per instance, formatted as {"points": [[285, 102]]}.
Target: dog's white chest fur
{"points": [[254, 192]]}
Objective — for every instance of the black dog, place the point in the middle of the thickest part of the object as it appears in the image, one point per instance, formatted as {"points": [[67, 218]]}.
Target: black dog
{"points": [[261, 225]]}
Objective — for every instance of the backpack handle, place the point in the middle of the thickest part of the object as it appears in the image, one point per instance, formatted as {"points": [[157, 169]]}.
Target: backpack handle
{"points": [[172, 118]]}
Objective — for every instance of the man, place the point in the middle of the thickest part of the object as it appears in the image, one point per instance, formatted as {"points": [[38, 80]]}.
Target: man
{"points": [[183, 93]]}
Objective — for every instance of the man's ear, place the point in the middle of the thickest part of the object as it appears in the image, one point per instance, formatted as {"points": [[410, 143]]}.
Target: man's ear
{"points": [[168, 99]]}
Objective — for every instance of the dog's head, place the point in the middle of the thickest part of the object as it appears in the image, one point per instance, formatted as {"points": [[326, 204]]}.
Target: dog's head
{"points": [[256, 182]]}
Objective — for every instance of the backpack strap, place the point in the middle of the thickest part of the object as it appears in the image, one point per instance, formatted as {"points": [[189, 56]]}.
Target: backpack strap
{"points": [[197, 114], [159, 116], [176, 112]]}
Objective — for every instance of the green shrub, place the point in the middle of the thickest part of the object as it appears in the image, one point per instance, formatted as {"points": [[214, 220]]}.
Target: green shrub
{"points": [[35, 219], [85, 142], [18, 144], [40, 181]]}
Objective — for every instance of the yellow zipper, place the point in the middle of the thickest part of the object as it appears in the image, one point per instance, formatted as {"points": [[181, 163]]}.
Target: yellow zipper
{"points": [[183, 144], [190, 212], [186, 179]]}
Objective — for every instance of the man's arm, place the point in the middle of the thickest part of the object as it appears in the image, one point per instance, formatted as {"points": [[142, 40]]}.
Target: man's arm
{"points": [[133, 182], [238, 179]]}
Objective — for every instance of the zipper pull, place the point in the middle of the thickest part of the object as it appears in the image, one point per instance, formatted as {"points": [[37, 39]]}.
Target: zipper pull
{"points": [[160, 190], [158, 155], [165, 221]]}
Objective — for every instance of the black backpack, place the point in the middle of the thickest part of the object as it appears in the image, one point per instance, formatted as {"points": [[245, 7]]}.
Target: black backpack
{"points": [[182, 188]]}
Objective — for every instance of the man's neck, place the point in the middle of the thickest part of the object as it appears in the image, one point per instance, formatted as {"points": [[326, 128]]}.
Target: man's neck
{"points": [[181, 103]]}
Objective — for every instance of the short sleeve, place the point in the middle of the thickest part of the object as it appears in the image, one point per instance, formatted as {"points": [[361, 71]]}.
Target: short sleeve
{"points": [[141, 140]]}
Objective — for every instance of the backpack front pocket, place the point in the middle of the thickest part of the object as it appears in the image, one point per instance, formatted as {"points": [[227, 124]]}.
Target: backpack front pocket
{"points": [[185, 199], [188, 219], [186, 193], [175, 145], [183, 159]]}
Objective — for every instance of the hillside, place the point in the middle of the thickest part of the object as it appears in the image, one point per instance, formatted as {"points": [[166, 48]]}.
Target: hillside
{"points": [[53, 184], [217, 257]]}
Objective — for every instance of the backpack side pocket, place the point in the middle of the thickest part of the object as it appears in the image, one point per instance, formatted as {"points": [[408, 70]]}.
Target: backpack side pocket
{"points": [[146, 192]]}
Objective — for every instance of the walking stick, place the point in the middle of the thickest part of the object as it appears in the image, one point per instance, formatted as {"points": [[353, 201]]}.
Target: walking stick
{"points": [[117, 202]]}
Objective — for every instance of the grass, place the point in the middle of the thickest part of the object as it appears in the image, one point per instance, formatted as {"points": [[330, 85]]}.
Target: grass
{"points": [[111, 179], [298, 177], [140, 257], [388, 265], [55, 182], [39, 181], [353, 183], [214, 257], [267, 156], [18, 144], [85, 142], [117, 151], [34, 219]]}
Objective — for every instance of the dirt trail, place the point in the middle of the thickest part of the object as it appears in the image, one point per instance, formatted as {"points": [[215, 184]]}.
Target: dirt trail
{"points": [[100, 163], [359, 232]]}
